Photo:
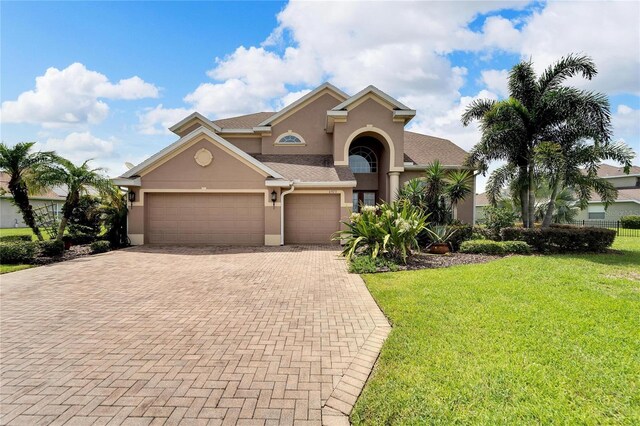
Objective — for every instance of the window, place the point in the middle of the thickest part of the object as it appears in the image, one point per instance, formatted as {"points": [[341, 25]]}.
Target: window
{"points": [[290, 138], [362, 198], [362, 159], [596, 211]]}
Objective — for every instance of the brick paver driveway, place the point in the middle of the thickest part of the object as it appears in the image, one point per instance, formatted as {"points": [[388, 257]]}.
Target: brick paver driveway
{"points": [[193, 335]]}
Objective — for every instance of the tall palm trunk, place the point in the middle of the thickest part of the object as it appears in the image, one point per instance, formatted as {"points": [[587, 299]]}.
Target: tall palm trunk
{"points": [[524, 207], [532, 198], [548, 215], [21, 200], [67, 209]]}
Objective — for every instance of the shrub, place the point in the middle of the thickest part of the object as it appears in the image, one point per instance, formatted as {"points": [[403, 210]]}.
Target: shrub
{"points": [[495, 247], [562, 239], [84, 223], [516, 247], [14, 252], [462, 233], [79, 238], [630, 222], [51, 248], [481, 233], [100, 247], [368, 265], [8, 238], [389, 230], [496, 218]]}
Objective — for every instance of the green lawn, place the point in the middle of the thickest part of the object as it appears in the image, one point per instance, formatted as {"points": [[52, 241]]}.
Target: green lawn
{"points": [[521, 340], [12, 268], [23, 231]]}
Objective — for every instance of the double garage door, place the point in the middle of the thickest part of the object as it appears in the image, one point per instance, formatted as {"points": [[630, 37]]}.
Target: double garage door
{"points": [[237, 219], [221, 219]]}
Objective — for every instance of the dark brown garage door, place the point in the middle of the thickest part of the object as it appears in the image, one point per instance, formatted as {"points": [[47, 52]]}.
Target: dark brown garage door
{"points": [[219, 219], [311, 218]]}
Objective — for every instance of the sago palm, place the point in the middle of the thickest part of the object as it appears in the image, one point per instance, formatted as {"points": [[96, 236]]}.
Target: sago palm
{"points": [[77, 179], [18, 162], [538, 109]]}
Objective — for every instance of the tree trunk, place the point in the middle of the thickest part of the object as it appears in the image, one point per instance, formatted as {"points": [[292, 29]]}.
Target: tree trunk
{"points": [[524, 207], [548, 215], [67, 209], [532, 199], [21, 200]]}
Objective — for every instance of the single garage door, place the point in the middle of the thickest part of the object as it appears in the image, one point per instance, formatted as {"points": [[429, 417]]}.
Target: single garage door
{"points": [[311, 218], [219, 219]]}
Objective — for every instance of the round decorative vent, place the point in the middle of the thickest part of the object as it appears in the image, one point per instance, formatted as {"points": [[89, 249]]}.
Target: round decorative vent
{"points": [[203, 157]]}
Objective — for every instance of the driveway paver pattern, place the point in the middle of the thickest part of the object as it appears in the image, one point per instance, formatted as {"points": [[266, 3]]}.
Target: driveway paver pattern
{"points": [[168, 335]]}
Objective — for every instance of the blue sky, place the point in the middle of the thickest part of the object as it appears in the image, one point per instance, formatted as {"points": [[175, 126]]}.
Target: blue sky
{"points": [[113, 76]]}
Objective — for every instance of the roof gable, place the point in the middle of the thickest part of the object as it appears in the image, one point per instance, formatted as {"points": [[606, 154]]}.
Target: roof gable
{"points": [[325, 88], [193, 137], [372, 92], [194, 118]]}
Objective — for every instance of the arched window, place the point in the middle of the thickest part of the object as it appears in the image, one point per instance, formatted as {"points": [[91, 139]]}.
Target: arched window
{"points": [[290, 138], [362, 159]]}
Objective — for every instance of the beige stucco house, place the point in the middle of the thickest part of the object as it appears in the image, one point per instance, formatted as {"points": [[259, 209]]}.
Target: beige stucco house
{"points": [[285, 177]]}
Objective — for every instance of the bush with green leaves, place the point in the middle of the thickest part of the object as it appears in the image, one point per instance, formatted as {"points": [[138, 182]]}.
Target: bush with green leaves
{"points": [[100, 246], [562, 238], [389, 230], [368, 265], [463, 232], [51, 248], [85, 220], [495, 247], [10, 238], [481, 232], [630, 222], [497, 218], [16, 252]]}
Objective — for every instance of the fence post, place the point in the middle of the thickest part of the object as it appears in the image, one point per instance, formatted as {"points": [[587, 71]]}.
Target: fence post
{"points": [[617, 227]]}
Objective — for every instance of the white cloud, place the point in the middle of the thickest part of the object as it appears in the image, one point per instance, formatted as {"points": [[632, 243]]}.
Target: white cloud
{"points": [[72, 96], [626, 125], [156, 121], [496, 81], [606, 31], [78, 147]]}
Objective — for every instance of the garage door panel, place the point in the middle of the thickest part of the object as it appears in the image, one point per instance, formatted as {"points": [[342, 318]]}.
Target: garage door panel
{"points": [[218, 219], [311, 218]]}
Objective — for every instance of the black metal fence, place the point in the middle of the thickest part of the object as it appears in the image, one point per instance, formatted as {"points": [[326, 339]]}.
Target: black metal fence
{"points": [[610, 224]]}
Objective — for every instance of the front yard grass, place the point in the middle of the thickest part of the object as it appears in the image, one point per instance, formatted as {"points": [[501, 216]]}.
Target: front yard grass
{"points": [[520, 340], [23, 231], [12, 268]]}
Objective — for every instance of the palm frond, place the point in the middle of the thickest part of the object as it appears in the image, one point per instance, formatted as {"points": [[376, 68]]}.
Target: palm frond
{"points": [[564, 68]]}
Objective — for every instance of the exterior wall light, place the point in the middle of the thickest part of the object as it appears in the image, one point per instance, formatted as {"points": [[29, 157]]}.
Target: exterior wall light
{"points": [[274, 197], [131, 196]]}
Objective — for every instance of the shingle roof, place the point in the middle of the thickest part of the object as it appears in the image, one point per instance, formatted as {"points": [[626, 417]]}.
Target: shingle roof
{"points": [[607, 170], [248, 121], [630, 194], [424, 149], [307, 168], [482, 199], [49, 195]]}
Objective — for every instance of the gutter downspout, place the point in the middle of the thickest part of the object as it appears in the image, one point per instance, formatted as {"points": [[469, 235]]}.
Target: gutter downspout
{"points": [[282, 194]]}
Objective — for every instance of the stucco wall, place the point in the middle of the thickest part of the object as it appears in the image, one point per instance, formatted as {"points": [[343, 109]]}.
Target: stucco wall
{"points": [[374, 115], [10, 215], [248, 145], [615, 211], [309, 122]]}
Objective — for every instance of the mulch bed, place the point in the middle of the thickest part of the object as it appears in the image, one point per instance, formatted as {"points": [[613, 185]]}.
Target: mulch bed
{"points": [[73, 253], [431, 261]]}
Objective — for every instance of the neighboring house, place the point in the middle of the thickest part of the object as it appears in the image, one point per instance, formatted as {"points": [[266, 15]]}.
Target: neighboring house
{"points": [[627, 203], [628, 200], [10, 215], [286, 177]]}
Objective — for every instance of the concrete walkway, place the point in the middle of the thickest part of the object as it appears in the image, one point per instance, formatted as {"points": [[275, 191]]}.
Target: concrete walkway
{"points": [[166, 335]]}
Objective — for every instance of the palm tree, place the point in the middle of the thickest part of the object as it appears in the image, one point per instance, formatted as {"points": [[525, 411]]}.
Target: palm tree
{"points": [[18, 162], [458, 187], [574, 163], [435, 185], [78, 180], [538, 109]]}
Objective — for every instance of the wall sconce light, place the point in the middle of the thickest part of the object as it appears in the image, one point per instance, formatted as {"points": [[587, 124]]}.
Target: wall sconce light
{"points": [[132, 197], [274, 197]]}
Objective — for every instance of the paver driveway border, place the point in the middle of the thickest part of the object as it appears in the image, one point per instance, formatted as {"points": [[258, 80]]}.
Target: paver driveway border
{"points": [[187, 334]]}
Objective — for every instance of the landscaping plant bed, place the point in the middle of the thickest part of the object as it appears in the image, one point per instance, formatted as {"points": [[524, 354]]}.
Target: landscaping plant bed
{"points": [[73, 253], [430, 261]]}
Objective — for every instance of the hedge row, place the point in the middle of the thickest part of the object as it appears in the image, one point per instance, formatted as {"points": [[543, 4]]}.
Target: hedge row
{"points": [[17, 252], [630, 222], [562, 239], [11, 238], [495, 247]]}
